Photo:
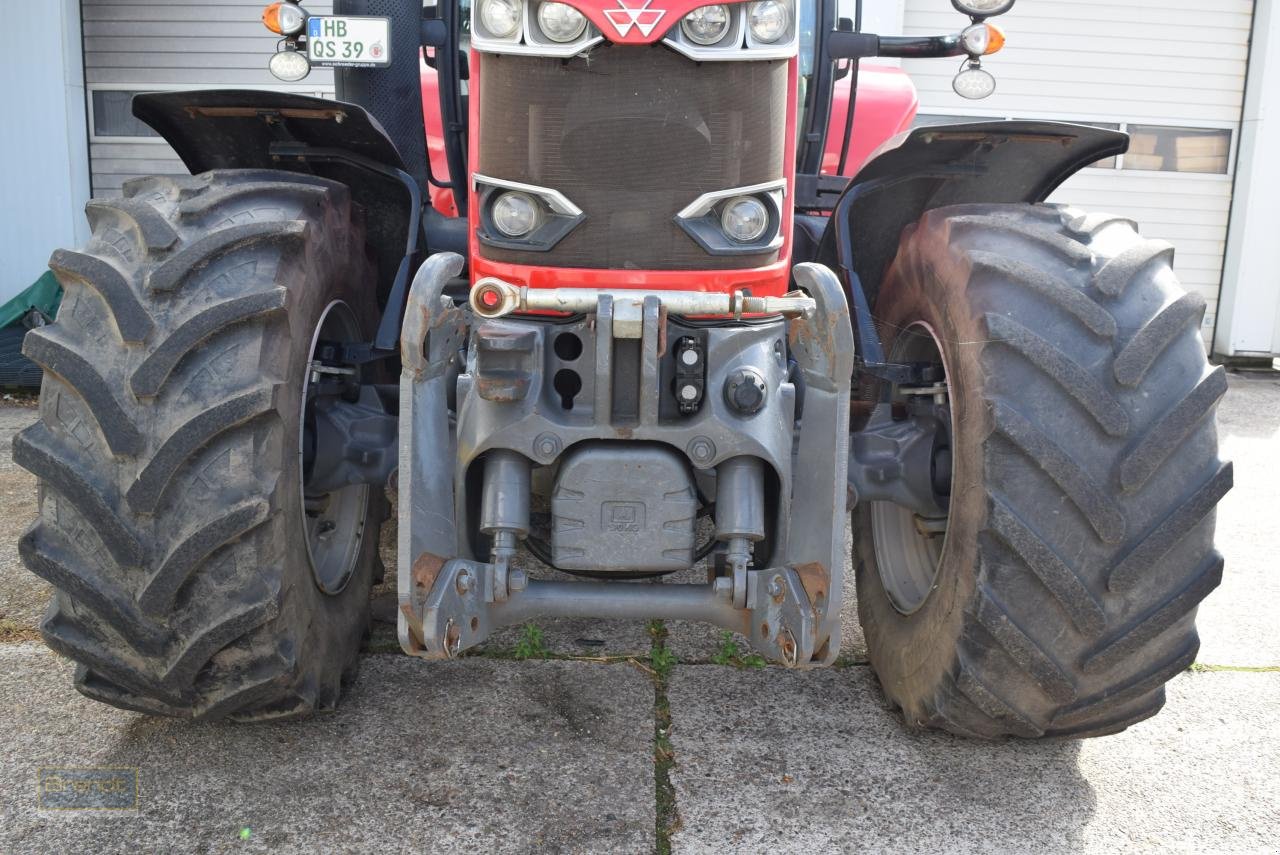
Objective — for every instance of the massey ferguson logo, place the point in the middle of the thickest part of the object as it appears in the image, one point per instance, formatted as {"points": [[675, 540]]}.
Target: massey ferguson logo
{"points": [[634, 13]]}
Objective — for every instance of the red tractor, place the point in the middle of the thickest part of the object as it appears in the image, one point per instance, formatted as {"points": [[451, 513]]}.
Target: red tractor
{"points": [[668, 324]]}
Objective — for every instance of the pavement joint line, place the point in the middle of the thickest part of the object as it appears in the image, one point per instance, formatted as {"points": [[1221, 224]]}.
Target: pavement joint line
{"points": [[635, 661], [26, 636], [18, 634], [666, 814]]}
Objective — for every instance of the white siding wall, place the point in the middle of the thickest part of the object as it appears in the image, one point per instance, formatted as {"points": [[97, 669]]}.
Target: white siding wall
{"points": [[44, 182], [1137, 59], [1249, 323], [147, 45], [1165, 62]]}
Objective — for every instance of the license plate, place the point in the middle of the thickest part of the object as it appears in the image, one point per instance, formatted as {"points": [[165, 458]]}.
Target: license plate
{"points": [[349, 42]]}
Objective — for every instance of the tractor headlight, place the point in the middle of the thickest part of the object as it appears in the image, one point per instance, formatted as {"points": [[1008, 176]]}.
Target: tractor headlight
{"points": [[974, 82], [768, 20], [744, 219], [515, 214], [983, 8], [290, 66], [706, 25], [501, 18], [560, 22]]}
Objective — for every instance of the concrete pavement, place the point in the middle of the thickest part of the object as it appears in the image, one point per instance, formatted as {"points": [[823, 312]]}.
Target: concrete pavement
{"points": [[489, 754], [1240, 622], [23, 597], [779, 761], [468, 756]]}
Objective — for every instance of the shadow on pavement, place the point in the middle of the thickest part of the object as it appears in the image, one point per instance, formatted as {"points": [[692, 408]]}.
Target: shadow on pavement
{"points": [[817, 762]]}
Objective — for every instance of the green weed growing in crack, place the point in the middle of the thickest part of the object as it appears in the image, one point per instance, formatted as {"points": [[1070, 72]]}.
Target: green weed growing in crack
{"points": [[531, 644], [661, 660], [731, 654]]}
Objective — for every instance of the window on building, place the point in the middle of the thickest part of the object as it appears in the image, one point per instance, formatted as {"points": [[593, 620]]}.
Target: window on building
{"points": [[1164, 149], [113, 115]]}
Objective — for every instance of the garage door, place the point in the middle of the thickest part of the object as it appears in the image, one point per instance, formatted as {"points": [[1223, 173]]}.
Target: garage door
{"points": [[1170, 72], [136, 46]]}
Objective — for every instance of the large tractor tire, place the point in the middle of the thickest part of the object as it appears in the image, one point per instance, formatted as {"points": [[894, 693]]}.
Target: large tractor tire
{"points": [[172, 522], [1062, 595]]}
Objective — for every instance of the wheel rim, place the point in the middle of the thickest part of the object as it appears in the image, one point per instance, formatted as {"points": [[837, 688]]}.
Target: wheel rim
{"points": [[908, 548], [334, 521]]}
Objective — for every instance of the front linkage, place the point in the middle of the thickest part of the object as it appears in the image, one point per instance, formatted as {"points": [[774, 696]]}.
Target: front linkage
{"points": [[584, 398]]}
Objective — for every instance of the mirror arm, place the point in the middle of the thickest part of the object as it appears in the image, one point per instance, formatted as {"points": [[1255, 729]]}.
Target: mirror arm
{"points": [[921, 47], [845, 45]]}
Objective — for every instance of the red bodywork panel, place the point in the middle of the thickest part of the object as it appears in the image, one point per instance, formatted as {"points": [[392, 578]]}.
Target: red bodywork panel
{"points": [[441, 200], [887, 105]]}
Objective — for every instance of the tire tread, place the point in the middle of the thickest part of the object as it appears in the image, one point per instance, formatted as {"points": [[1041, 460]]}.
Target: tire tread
{"points": [[189, 607], [1094, 547]]}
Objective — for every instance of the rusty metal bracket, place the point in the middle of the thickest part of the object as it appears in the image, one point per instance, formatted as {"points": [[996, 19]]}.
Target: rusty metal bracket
{"points": [[783, 623], [823, 347], [454, 612], [461, 609], [433, 331]]}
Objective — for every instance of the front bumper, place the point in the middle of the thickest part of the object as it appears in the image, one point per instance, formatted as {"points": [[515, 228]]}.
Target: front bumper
{"points": [[451, 599]]}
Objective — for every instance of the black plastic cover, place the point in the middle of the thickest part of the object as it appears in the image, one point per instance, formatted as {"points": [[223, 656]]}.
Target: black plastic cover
{"points": [[234, 129], [933, 167]]}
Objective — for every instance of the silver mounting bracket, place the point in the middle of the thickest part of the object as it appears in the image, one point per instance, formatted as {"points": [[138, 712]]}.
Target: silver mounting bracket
{"points": [[783, 625], [461, 609], [455, 615]]}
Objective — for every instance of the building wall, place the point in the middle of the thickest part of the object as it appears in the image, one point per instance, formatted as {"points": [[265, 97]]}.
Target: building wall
{"points": [[148, 45], [45, 179], [1177, 64], [1249, 324]]}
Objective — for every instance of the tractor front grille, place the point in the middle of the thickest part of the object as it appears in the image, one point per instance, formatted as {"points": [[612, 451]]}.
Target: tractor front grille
{"points": [[631, 135]]}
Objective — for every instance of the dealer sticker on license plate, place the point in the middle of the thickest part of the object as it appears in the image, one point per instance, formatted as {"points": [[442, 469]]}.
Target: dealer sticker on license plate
{"points": [[349, 42]]}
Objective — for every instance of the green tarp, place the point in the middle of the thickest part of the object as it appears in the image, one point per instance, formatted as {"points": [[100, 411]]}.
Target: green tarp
{"points": [[45, 295]]}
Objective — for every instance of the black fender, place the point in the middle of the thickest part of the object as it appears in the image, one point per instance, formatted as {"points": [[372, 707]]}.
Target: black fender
{"points": [[235, 129], [932, 167]]}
